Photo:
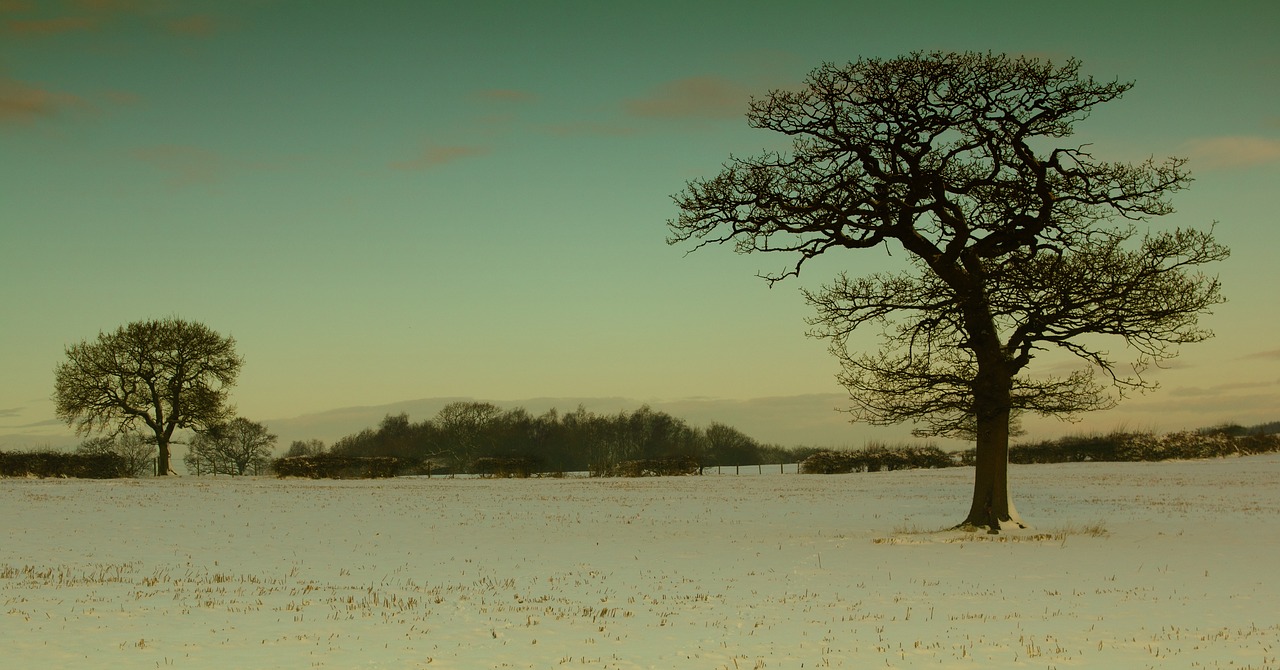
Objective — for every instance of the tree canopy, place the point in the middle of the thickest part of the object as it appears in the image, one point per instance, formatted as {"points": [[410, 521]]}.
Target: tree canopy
{"points": [[165, 374], [1014, 244]]}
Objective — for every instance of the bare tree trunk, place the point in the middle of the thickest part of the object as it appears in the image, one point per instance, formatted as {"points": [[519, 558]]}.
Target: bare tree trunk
{"points": [[992, 505], [162, 459]]}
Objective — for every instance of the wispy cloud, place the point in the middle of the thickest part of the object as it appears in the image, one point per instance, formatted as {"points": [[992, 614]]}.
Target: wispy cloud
{"points": [[21, 102], [122, 98], [433, 156], [41, 424], [47, 27], [94, 15], [111, 5], [692, 98], [1270, 354], [24, 103], [1219, 390], [201, 25], [578, 128], [505, 95], [10, 412], [184, 165], [76, 16], [1223, 153]]}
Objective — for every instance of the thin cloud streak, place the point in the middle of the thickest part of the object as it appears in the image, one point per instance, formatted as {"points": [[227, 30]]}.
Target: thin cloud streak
{"points": [[201, 25], [1211, 407], [435, 156], [119, 6], [49, 27], [1224, 153], [41, 424], [21, 102], [711, 98], [104, 15], [589, 128], [184, 165], [505, 95], [122, 98], [1221, 389]]}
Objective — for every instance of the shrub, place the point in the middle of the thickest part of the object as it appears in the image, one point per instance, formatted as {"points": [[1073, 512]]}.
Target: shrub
{"points": [[655, 467], [828, 463], [519, 466], [1259, 443]]}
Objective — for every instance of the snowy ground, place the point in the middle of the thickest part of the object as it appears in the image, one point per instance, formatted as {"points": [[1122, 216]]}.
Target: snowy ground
{"points": [[776, 571]]}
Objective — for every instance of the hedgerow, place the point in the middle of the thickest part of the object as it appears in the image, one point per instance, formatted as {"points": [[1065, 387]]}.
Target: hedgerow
{"points": [[651, 467], [1138, 446], [1114, 447], [340, 467], [875, 458], [520, 467], [59, 464]]}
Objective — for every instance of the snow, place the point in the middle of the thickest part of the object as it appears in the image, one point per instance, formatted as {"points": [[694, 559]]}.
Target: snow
{"points": [[1125, 566]]}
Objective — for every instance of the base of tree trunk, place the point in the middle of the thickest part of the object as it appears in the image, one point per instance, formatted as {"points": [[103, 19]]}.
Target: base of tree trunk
{"points": [[992, 529], [992, 520]]}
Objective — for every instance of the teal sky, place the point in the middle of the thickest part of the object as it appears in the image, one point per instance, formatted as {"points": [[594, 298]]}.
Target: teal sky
{"points": [[391, 200]]}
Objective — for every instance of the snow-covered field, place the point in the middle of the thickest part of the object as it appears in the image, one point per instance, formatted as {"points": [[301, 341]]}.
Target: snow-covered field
{"points": [[777, 571]]}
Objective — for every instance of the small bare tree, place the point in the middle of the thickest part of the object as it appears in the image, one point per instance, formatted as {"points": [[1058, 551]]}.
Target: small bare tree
{"points": [[137, 451], [312, 447], [232, 448]]}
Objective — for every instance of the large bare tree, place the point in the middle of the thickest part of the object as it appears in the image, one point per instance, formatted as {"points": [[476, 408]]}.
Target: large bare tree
{"points": [[1013, 245], [165, 374]]}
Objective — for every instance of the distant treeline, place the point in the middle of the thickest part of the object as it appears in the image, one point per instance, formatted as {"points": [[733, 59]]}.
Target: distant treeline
{"points": [[482, 438], [471, 437]]}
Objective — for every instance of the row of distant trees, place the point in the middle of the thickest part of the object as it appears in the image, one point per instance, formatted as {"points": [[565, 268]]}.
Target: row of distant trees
{"points": [[465, 434], [474, 437]]}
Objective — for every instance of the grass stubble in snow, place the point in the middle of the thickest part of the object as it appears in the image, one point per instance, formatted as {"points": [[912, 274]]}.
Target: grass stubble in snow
{"points": [[1133, 565]]}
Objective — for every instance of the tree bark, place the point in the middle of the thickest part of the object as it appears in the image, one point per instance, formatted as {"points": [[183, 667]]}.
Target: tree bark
{"points": [[162, 456], [992, 507]]}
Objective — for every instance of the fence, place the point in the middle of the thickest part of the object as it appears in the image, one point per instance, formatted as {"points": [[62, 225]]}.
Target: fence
{"points": [[773, 469]]}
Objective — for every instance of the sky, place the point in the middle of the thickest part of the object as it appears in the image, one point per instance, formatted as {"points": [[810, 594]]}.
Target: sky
{"points": [[391, 200]]}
